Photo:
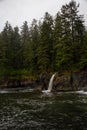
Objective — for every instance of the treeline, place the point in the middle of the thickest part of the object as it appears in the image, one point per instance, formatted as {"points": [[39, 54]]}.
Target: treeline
{"points": [[53, 44]]}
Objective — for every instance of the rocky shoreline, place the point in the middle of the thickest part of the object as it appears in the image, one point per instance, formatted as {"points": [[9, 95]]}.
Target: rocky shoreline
{"points": [[62, 82]]}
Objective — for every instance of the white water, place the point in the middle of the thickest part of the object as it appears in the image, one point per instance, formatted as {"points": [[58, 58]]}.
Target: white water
{"points": [[81, 92], [50, 85]]}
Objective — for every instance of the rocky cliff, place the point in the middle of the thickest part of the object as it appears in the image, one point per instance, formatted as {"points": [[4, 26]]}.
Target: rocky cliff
{"points": [[62, 82], [71, 81]]}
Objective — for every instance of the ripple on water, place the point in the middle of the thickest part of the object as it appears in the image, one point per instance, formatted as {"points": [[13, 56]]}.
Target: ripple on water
{"points": [[43, 112]]}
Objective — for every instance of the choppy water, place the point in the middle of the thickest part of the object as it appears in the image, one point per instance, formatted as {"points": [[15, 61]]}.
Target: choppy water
{"points": [[36, 111]]}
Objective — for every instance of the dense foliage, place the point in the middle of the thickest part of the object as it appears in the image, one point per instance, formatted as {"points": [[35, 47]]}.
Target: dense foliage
{"points": [[50, 44]]}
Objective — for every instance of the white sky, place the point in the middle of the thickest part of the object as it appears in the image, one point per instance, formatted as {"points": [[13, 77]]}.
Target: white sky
{"points": [[17, 11]]}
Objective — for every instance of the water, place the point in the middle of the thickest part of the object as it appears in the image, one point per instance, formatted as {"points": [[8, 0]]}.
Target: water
{"points": [[37, 111], [50, 84]]}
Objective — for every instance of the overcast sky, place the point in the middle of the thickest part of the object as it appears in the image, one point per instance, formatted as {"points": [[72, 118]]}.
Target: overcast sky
{"points": [[18, 11]]}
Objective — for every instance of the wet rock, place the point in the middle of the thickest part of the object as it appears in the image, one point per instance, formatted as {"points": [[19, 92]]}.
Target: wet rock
{"points": [[74, 81], [44, 80], [61, 82]]}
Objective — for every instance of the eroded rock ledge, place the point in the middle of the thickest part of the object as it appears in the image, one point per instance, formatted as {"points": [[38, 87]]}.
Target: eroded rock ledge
{"points": [[62, 82]]}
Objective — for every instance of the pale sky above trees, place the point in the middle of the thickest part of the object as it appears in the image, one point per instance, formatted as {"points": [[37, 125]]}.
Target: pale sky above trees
{"points": [[18, 11]]}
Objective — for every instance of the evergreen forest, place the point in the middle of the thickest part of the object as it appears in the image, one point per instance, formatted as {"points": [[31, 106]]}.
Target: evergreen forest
{"points": [[51, 44]]}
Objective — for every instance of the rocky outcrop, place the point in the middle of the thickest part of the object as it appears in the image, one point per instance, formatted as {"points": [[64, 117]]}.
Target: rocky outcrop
{"points": [[17, 83], [20, 83], [74, 81], [13, 82], [62, 82], [80, 80]]}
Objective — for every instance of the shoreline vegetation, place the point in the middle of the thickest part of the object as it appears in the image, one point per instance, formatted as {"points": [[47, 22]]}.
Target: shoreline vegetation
{"points": [[30, 56]]}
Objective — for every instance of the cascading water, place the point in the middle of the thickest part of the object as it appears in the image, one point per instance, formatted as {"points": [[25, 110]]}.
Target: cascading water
{"points": [[50, 84]]}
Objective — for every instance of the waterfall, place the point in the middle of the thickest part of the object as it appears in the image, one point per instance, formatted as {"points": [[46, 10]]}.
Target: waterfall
{"points": [[50, 84]]}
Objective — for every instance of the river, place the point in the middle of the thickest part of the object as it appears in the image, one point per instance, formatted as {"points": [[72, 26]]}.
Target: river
{"points": [[28, 110]]}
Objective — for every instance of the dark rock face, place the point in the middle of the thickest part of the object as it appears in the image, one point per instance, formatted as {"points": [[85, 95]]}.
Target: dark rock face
{"points": [[62, 82], [40, 83], [80, 80], [20, 83], [44, 80], [74, 81]]}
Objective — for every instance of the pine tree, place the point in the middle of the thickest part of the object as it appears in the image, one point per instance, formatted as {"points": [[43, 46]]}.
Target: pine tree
{"points": [[7, 44], [16, 49], [72, 27], [83, 59], [45, 49], [26, 47], [34, 38], [2, 53], [58, 41]]}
